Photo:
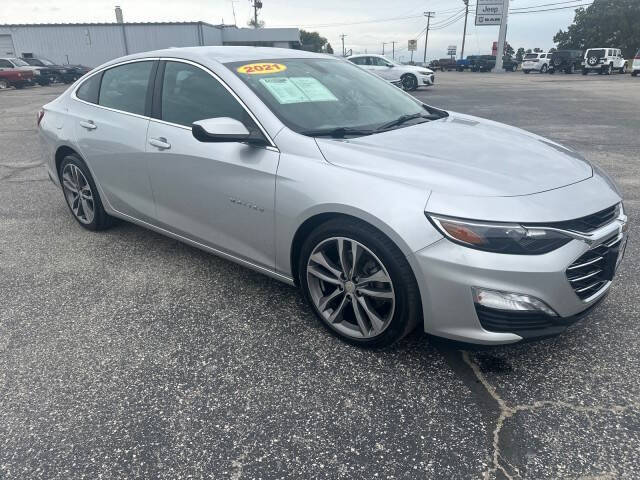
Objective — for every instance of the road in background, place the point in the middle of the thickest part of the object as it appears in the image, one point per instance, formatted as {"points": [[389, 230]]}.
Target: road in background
{"points": [[128, 354]]}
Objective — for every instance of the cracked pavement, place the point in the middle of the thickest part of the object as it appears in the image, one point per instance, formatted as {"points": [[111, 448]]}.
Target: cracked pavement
{"points": [[125, 354]]}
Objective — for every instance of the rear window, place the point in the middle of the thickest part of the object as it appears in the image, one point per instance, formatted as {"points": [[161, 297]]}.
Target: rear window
{"points": [[530, 56], [89, 90], [125, 87], [598, 52]]}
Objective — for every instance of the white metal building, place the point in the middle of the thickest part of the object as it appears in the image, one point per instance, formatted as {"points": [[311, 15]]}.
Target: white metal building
{"points": [[91, 44]]}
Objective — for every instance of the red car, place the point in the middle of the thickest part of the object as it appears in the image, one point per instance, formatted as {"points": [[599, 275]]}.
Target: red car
{"points": [[15, 78]]}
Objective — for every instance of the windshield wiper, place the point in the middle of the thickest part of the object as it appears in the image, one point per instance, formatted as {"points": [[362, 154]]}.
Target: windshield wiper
{"points": [[405, 118], [339, 132]]}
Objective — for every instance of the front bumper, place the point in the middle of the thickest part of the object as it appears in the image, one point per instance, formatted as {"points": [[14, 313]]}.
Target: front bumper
{"points": [[426, 79], [449, 271]]}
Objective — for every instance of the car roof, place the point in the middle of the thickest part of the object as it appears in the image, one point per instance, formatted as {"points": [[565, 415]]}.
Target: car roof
{"points": [[223, 54], [367, 55]]}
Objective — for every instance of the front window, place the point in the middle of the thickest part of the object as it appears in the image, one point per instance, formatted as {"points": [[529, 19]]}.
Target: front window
{"points": [[318, 94], [34, 62], [19, 63], [46, 61]]}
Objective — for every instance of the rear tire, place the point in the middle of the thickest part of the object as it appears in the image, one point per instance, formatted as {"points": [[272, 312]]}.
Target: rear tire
{"points": [[544, 69], [527, 71], [393, 297], [634, 73], [81, 194], [4, 84], [585, 71]]}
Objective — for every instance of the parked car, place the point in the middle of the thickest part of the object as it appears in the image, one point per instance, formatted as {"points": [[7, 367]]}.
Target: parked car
{"points": [[411, 76], [538, 62], [604, 61], [635, 67], [41, 76], [464, 63], [62, 73], [567, 61], [15, 78], [486, 63], [243, 152], [443, 64]]}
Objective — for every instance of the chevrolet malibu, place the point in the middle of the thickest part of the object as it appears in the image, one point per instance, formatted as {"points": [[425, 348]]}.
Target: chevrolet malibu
{"points": [[386, 212]]}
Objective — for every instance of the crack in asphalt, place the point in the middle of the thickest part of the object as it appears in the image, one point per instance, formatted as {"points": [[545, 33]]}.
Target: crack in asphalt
{"points": [[507, 411], [16, 168]]}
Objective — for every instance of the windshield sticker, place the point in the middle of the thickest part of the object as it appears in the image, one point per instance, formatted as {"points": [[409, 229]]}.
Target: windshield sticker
{"points": [[297, 90], [262, 68]]}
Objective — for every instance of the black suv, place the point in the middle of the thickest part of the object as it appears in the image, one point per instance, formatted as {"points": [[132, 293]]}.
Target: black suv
{"points": [[486, 63], [58, 73], [567, 61]]}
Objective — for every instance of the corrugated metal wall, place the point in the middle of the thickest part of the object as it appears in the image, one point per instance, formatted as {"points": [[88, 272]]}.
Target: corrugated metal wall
{"points": [[94, 44]]}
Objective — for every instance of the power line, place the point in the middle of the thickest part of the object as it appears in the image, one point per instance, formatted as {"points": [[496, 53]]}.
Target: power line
{"points": [[378, 20], [545, 5], [552, 9]]}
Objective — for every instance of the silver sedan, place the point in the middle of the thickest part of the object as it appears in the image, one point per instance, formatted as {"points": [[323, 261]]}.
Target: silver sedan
{"points": [[386, 212]]}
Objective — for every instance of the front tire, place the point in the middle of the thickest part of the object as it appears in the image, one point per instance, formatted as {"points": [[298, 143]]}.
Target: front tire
{"points": [[359, 283], [81, 194], [544, 69], [409, 82], [527, 71]]}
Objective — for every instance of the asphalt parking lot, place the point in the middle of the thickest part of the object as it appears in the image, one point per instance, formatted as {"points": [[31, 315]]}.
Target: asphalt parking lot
{"points": [[125, 354]]}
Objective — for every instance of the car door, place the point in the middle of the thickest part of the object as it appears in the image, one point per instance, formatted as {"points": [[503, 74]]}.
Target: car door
{"points": [[111, 120], [384, 69], [217, 194]]}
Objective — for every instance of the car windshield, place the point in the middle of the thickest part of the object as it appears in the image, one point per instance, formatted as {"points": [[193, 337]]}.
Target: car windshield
{"points": [[315, 95], [46, 61], [34, 62], [20, 63]]}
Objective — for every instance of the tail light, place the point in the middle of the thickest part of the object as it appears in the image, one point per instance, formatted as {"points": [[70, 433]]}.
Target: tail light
{"points": [[39, 117], [637, 57]]}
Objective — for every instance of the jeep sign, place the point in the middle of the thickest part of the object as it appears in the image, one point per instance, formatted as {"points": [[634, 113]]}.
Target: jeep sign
{"points": [[489, 12]]}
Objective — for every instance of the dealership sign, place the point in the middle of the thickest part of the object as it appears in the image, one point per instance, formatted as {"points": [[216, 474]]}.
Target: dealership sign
{"points": [[413, 45], [489, 12]]}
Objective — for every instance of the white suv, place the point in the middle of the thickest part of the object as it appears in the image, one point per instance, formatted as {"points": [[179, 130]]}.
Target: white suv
{"points": [[635, 68], [412, 76], [536, 61], [604, 60]]}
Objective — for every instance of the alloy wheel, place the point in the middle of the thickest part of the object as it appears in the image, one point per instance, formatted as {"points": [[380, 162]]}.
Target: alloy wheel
{"points": [[78, 193], [350, 287], [3, 84], [409, 82]]}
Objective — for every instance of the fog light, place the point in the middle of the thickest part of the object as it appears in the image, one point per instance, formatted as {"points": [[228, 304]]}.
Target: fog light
{"points": [[510, 301]]}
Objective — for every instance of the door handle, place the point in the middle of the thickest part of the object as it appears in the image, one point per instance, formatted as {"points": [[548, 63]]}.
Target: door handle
{"points": [[160, 143], [88, 124]]}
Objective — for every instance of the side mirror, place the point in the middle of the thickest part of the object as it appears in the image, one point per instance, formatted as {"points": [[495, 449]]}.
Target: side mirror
{"points": [[224, 129]]}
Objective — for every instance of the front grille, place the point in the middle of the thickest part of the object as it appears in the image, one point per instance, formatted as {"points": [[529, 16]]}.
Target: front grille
{"points": [[589, 223], [495, 320], [595, 268]]}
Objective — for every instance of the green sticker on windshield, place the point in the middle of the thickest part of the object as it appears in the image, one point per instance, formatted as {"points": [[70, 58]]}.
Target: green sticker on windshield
{"points": [[297, 90]]}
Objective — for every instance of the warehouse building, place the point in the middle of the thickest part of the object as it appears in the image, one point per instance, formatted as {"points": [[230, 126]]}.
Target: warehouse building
{"points": [[92, 44]]}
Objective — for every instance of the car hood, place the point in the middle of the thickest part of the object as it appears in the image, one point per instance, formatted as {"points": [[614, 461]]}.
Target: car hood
{"points": [[415, 68], [462, 155]]}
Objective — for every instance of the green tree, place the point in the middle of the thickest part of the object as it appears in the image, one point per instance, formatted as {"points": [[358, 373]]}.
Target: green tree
{"points": [[329, 49], [312, 41], [604, 23], [520, 54]]}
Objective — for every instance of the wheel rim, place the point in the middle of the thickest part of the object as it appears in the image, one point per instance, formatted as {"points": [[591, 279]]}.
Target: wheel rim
{"points": [[350, 287], [407, 82], [4, 84], [78, 193]]}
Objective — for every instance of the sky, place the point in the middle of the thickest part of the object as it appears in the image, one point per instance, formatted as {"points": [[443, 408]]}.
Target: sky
{"points": [[382, 20]]}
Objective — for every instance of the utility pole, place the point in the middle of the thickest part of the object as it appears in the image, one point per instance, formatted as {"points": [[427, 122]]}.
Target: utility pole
{"points": [[342, 38], [426, 36], [393, 50], [383, 44], [502, 36], [464, 32]]}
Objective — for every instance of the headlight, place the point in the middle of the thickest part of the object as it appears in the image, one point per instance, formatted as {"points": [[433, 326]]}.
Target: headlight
{"points": [[508, 238], [424, 73]]}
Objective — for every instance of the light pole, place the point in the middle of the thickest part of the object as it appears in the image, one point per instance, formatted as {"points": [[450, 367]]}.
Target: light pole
{"points": [[464, 32]]}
